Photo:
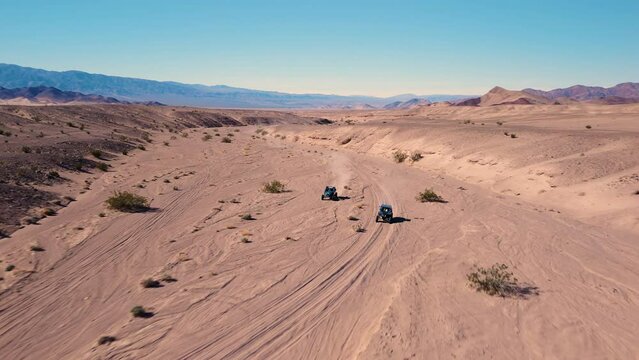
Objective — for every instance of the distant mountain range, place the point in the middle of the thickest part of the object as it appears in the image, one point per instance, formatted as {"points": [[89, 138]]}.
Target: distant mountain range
{"points": [[620, 94], [174, 93], [49, 95]]}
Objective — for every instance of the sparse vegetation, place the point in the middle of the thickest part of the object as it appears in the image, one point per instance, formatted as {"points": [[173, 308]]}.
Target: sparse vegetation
{"points": [[150, 283], [207, 137], [416, 156], [36, 248], [274, 187], [105, 340], [10, 267], [588, 127], [346, 141], [48, 212], [359, 228], [53, 174], [102, 166], [496, 280], [226, 140], [127, 202], [399, 156], [429, 195], [352, 218], [513, 135], [141, 312], [141, 147], [246, 240], [247, 217], [500, 123], [96, 153], [166, 181], [26, 149]]}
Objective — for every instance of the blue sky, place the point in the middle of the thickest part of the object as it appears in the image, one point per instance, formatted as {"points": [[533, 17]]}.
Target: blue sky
{"points": [[341, 47]]}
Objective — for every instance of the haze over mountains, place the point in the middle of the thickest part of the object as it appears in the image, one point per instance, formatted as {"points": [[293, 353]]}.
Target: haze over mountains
{"points": [[174, 93]]}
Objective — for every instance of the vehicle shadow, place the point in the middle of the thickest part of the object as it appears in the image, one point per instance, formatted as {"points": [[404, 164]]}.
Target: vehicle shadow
{"points": [[399, 219], [340, 198]]}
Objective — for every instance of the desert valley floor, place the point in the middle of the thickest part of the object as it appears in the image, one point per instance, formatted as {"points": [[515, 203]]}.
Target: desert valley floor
{"points": [[556, 202]]}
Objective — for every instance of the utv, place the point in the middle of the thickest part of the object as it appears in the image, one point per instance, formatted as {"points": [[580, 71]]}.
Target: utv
{"points": [[330, 193], [385, 214]]}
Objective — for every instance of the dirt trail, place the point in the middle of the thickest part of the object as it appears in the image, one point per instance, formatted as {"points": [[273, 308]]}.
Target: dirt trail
{"points": [[306, 285]]}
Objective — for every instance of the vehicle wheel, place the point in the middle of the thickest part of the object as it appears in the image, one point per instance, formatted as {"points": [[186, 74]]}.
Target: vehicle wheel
{"points": [[376, 218], [322, 197]]}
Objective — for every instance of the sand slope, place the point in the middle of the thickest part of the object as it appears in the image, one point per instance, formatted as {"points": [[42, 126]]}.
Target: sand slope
{"points": [[307, 285]]}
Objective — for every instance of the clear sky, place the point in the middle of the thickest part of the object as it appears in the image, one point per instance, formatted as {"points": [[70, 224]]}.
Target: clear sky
{"points": [[340, 47]]}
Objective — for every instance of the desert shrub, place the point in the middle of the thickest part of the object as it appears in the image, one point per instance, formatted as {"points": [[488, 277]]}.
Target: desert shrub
{"points": [[346, 141], [104, 340], [36, 248], [247, 217], [246, 240], [467, 121], [140, 311], [429, 195], [274, 187], [150, 283], [141, 147], [70, 124], [167, 181], [125, 152], [500, 123], [96, 153], [10, 267], [102, 166], [359, 228], [399, 156], [230, 134], [101, 214], [226, 140], [168, 278], [53, 174], [513, 136], [40, 135], [506, 133], [146, 137], [166, 143], [416, 156], [26, 149], [588, 127], [48, 212], [352, 218], [496, 280], [207, 137], [127, 202]]}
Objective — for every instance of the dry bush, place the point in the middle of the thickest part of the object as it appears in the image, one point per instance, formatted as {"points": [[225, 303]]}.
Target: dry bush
{"points": [[127, 202], [226, 140], [416, 156], [274, 187], [497, 280], [150, 283], [96, 153], [140, 311], [399, 156], [352, 218], [207, 137], [346, 141], [429, 195], [359, 228], [247, 217], [104, 340], [102, 166]]}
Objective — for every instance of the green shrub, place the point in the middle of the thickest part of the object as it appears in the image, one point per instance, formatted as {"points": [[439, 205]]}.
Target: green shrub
{"points": [[127, 202], [104, 340], [150, 283], [399, 156], [429, 195], [139, 311], [496, 280], [274, 187], [102, 166], [96, 153]]}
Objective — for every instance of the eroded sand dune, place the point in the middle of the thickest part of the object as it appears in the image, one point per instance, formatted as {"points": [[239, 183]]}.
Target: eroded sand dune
{"points": [[306, 285]]}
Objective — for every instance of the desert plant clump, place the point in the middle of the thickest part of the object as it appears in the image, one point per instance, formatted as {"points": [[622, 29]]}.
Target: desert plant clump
{"points": [[247, 217], [346, 141], [274, 187], [141, 147], [96, 153], [416, 156], [207, 137], [26, 149], [352, 218], [102, 166], [53, 174], [496, 280], [399, 156], [48, 212], [105, 340], [513, 136], [428, 195], [359, 228], [36, 248], [127, 202], [150, 283], [140, 311], [500, 123], [10, 267], [245, 240], [226, 140], [588, 127]]}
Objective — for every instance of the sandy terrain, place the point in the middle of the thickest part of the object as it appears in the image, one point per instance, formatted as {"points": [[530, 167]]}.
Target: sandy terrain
{"points": [[305, 284]]}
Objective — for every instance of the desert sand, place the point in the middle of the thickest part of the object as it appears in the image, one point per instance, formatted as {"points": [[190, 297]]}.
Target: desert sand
{"points": [[556, 203]]}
